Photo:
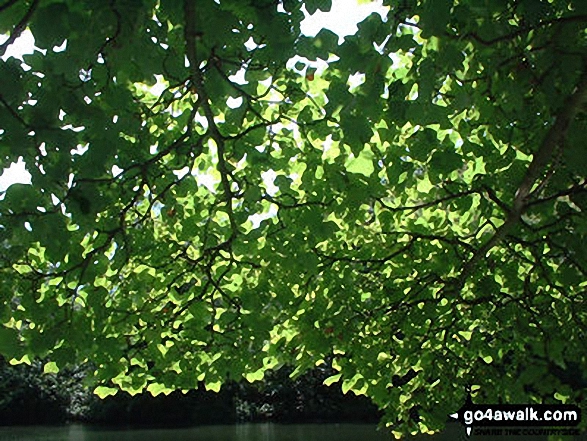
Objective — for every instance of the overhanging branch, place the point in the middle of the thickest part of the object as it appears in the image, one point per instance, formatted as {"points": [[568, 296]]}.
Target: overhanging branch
{"points": [[554, 138], [190, 35]]}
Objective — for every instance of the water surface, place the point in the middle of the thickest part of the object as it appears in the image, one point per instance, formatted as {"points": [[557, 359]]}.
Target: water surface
{"points": [[239, 432]]}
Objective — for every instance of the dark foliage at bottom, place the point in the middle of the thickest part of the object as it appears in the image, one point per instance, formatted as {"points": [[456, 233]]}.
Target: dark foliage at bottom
{"points": [[28, 396], [306, 399]]}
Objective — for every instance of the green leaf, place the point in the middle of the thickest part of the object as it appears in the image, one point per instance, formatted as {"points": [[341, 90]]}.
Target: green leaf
{"points": [[103, 391], [358, 132], [350, 383], [313, 5], [9, 344], [445, 161], [50, 368], [11, 74], [332, 379], [363, 164], [21, 197], [424, 142], [214, 386], [49, 33], [158, 388], [435, 16], [255, 376]]}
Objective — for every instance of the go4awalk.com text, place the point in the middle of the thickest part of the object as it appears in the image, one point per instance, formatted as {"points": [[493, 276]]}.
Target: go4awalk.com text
{"points": [[517, 416]]}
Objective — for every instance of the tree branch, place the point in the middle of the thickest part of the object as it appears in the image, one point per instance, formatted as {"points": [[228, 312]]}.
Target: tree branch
{"points": [[554, 138], [190, 35]]}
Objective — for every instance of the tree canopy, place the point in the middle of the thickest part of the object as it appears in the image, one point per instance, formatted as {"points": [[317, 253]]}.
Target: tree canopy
{"points": [[215, 194]]}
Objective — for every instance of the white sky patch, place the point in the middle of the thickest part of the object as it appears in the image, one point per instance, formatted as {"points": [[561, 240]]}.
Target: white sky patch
{"points": [[356, 80], [201, 119], [159, 86], [181, 173], [268, 178], [256, 219], [342, 18], [239, 77], [25, 44], [116, 170], [14, 174], [61, 47], [208, 181], [234, 103], [319, 65], [80, 149], [250, 44]]}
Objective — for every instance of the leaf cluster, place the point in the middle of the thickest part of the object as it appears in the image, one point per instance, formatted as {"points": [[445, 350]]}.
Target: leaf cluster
{"points": [[203, 209]]}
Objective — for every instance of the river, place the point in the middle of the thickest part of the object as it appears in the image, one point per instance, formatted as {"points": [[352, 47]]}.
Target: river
{"points": [[241, 432]]}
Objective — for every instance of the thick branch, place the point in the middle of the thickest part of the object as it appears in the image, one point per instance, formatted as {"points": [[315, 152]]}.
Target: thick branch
{"points": [[197, 79], [554, 138]]}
